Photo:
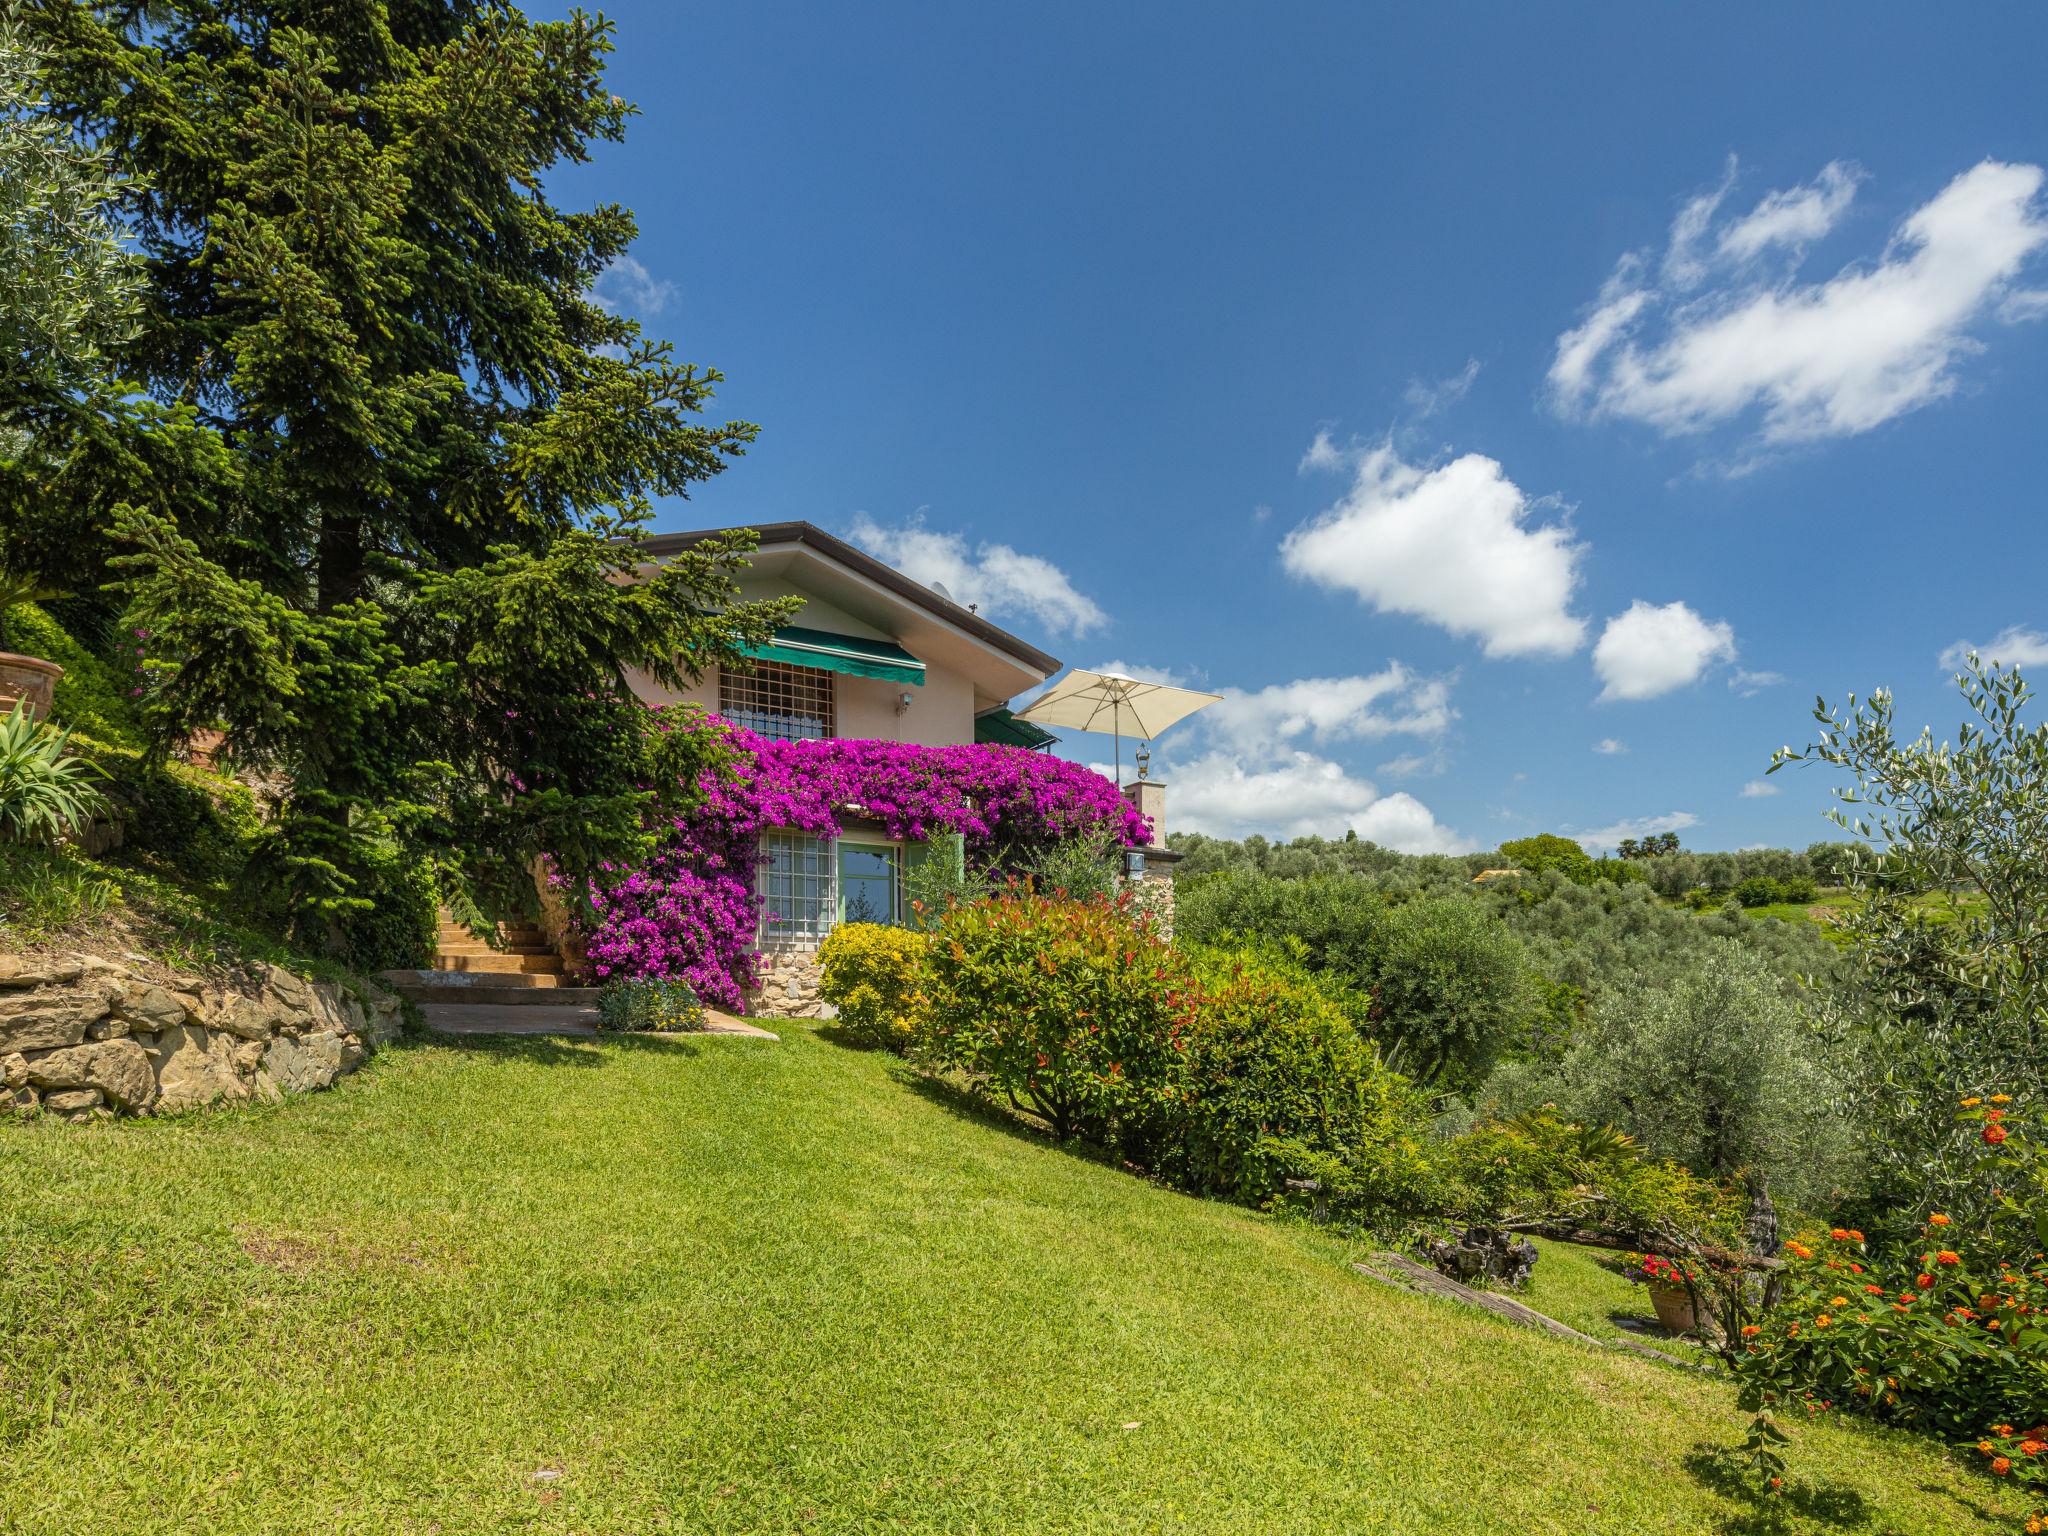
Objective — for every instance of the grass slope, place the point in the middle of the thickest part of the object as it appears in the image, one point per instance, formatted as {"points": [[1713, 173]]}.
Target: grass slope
{"points": [[728, 1285]]}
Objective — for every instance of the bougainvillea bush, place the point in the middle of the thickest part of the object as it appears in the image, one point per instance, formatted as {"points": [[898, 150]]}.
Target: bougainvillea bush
{"points": [[690, 909]]}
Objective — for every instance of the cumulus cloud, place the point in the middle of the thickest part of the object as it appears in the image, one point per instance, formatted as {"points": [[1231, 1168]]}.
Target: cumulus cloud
{"points": [[1290, 794], [1391, 702], [627, 285], [1758, 789], [2013, 646], [992, 577], [1454, 545], [1604, 838], [1726, 330], [1608, 746], [1649, 650]]}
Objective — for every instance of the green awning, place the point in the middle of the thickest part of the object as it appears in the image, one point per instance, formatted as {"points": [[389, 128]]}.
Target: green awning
{"points": [[998, 727], [841, 653]]}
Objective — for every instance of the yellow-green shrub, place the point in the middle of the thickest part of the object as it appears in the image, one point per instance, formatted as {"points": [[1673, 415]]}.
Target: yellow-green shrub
{"points": [[870, 975]]}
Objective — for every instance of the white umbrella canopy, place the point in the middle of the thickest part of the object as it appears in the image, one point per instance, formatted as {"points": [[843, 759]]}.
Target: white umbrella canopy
{"points": [[1109, 701]]}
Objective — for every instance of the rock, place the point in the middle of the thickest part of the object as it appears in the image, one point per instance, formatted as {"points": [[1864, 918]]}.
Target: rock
{"points": [[18, 1100], [303, 1064], [37, 971], [246, 1055], [291, 990], [41, 1021], [13, 1070], [70, 1100], [113, 1027], [353, 1054], [253, 1018], [196, 1066], [152, 1008], [117, 1068]]}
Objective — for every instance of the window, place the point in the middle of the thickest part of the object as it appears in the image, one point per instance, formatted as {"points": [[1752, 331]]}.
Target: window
{"points": [[798, 896], [777, 700], [868, 891]]}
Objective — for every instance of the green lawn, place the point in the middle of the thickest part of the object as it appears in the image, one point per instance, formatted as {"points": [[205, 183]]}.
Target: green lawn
{"points": [[725, 1285]]}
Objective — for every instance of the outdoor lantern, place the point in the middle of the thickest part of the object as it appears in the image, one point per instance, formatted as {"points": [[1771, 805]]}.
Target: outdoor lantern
{"points": [[1144, 759], [1134, 863]]}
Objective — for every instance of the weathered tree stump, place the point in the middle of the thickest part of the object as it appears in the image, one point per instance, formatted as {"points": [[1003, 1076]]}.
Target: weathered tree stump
{"points": [[1486, 1253]]}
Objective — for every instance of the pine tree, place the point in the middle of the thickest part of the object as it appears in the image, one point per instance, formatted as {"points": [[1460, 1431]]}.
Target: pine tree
{"points": [[378, 507]]}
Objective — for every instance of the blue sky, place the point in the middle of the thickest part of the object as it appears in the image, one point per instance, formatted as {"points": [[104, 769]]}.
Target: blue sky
{"points": [[1463, 391]]}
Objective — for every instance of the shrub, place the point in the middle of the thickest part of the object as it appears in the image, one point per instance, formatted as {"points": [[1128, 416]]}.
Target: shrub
{"points": [[1711, 1067], [45, 793], [92, 698], [871, 975], [1798, 889], [1759, 891], [660, 1003], [1453, 992], [1077, 1010], [1277, 1081], [1543, 1167]]}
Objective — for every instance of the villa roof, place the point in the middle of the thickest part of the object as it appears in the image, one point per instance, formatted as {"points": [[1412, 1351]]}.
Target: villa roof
{"points": [[809, 536]]}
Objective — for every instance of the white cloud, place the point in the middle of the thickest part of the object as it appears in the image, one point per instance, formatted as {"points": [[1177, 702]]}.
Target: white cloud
{"points": [[1413, 765], [629, 286], [1149, 674], [1608, 746], [1635, 826], [992, 577], [2014, 646], [1451, 545], [1795, 218], [1426, 397], [1808, 360], [1649, 650], [1758, 789], [1390, 702], [1749, 684], [1297, 794]]}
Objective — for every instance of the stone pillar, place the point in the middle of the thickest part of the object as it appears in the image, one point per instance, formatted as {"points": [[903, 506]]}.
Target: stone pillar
{"points": [[1148, 798], [1154, 888]]}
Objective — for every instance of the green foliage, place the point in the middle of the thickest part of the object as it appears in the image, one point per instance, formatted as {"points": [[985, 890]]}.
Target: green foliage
{"points": [[1078, 868], [46, 791], [1549, 851], [870, 974], [1278, 1083], [1950, 993], [661, 1003], [379, 490], [1539, 1166], [70, 287], [1711, 1067], [91, 697], [941, 880], [46, 891], [1451, 991], [1076, 1010]]}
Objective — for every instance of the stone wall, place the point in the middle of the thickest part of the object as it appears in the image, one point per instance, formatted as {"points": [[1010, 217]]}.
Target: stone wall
{"points": [[788, 987], [1153, 894], [86, 1037]]}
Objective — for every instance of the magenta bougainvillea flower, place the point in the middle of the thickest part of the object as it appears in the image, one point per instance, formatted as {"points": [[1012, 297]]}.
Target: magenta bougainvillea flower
{"points": [[691, 911]]}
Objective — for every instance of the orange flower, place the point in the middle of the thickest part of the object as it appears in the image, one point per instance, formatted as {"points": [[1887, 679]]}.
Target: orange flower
{"points": [[1923, 1281], [2001, 1098], [1937, 1220], [1971, 1103], [1750, 1330], [1799, 1250], [1838, 1301], [1993, 1135], [2032, 1447], [1948, 1256], [2001, 1465], [1874, 1290], [1822, 1321], [1986, 1447], [1840, 1234], [2004, 1431], [1855, 1236]]}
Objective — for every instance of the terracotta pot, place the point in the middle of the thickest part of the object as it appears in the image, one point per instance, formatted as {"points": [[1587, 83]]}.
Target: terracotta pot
{"points": [[28, 678], [1674, 1307]]}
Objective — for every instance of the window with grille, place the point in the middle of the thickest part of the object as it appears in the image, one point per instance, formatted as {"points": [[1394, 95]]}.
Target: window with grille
{"points": [[777, 700], [799, 891]]}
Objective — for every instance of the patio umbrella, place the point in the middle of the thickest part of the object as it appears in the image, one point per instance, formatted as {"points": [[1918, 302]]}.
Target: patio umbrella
{"points": [[1109, 701]]}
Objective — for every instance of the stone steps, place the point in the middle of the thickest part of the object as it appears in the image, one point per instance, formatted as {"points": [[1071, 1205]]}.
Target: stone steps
{"points": [[458, 989], [490, 963]]}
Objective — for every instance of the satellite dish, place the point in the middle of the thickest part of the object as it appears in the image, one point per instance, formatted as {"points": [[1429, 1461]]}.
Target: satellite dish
{"points": [[940, 588]]}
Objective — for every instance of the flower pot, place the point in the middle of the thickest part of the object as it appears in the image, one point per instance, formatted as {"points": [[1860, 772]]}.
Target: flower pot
{"points": [[1674, 1307], [28, 678]]}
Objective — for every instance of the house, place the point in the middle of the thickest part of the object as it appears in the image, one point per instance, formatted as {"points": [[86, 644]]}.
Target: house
{"points": [[872, 655]]}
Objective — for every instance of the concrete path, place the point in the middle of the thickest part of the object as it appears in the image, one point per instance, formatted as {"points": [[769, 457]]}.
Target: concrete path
{"points": [[543, 1019]]}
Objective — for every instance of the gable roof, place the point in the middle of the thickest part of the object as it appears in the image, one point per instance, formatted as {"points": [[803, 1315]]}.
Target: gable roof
{"points": [[832, 547]]}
